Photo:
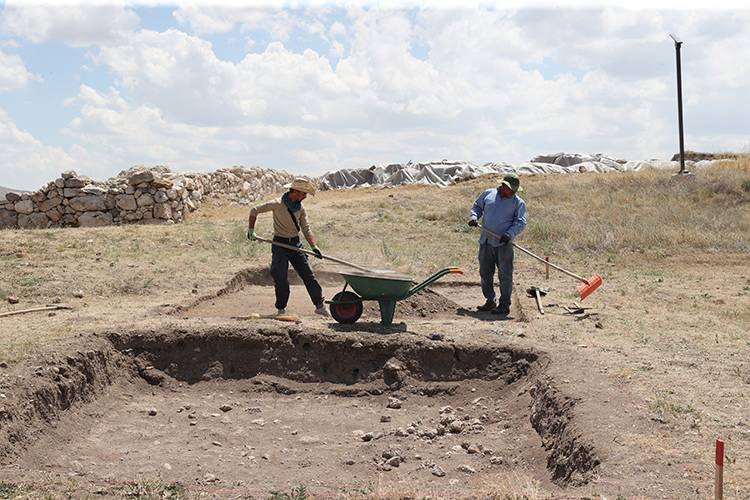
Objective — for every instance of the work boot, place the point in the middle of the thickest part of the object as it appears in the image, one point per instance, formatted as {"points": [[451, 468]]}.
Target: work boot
{"points": [[501, 310], [487, 306], [322, 311], [280, 312]]}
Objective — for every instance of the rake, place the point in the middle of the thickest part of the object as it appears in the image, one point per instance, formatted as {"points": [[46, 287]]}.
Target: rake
{"points": [[587, 286]]}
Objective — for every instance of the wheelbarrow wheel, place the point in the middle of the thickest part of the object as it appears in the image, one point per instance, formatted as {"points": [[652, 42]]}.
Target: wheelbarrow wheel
{"points": [[346, 313]]}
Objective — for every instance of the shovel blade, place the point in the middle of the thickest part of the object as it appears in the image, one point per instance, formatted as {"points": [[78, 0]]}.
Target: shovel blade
{"points": [[587, 287]]}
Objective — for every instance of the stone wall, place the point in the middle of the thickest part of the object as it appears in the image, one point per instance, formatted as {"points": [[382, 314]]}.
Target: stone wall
{"points": [[136, 195]]}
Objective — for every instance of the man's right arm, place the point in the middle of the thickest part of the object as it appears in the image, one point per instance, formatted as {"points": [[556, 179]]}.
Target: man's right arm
{"points": [[477, 210], [263, 207]]}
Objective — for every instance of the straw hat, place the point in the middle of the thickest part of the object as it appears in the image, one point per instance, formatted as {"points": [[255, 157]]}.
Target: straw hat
{"points": [[303, 185]]}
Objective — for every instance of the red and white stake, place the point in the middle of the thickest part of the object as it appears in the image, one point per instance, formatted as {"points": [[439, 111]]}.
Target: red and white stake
{"points": [[719, 475]]}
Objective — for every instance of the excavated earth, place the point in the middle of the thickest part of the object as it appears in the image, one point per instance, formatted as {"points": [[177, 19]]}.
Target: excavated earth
{"points": [[236, 408]]}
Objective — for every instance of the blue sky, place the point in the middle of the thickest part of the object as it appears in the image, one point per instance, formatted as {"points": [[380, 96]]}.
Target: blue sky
{"points": [[101, 86]]}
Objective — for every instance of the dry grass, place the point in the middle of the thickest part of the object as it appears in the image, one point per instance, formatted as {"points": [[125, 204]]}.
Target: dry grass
{"points": [[414, 229]]}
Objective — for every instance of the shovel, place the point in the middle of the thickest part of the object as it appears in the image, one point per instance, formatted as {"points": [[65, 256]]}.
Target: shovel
{"points": [[308, 252], [586, 287]]}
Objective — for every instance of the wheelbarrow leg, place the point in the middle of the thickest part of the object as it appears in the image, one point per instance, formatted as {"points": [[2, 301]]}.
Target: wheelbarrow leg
{"points": [[387, 310]]}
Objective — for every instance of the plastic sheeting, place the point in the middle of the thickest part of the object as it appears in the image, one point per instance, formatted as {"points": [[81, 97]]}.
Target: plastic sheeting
{"points": [[444, 173]]}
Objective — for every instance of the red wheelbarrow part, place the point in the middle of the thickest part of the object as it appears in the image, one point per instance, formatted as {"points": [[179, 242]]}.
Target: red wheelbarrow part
{"points": [[350, 311]]}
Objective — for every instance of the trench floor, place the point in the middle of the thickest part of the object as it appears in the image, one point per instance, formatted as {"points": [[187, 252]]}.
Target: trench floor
{"points": [[265, 434]]}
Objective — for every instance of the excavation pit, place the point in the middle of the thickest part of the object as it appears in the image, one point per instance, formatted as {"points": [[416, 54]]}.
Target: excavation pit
{"points": [[236, 410]]}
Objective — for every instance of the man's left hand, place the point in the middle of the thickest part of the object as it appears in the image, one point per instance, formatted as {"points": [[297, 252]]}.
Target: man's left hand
{"points": [[505, 238], [317, 252]]}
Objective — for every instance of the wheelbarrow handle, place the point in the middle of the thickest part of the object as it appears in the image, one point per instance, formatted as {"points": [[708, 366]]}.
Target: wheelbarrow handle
{"points": [[544, 261], [308, 252]]}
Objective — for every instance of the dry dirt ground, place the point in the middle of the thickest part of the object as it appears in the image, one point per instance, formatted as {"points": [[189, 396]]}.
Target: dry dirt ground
{"points": [[183, 393]]}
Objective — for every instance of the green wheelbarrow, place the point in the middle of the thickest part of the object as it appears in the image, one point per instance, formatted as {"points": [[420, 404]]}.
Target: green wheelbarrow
{"points": [[346, 306]]}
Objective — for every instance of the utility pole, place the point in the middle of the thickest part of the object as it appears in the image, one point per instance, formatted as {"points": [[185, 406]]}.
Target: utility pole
{"points": [[677, 46]]}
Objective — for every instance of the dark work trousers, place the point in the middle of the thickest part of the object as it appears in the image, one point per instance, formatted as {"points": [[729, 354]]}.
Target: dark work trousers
{"points": [[500, 258], [280, 260]]}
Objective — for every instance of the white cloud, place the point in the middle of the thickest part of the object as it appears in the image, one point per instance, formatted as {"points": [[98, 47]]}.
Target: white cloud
{"points": [[477, 84], [206, 20], [75, 25], [25, 162], [13, 72]]}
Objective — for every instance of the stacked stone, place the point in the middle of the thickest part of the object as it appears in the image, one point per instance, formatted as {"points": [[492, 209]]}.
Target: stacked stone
{"points": [[137, 195]]}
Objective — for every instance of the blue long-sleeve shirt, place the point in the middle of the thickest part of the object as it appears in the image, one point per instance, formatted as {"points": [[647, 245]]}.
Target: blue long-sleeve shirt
{"points": [[499, 215]]}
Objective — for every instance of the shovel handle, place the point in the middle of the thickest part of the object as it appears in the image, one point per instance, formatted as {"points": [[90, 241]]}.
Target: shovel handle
{"points": [[308, 252], [540, 259]]}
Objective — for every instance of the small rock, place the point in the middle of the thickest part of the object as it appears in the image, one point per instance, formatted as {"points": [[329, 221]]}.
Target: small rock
{"points": [[385, 418], [3, 364], [437, 336], [259, 421], [167, 466], [368, 436], [12, 299], [456, 426], [436, 470], [496, 460], [78, 294], [393, 461], [152, 412], [400, 432], [394, 403], [465, 469], [225, 407], [210, 478], [216, 443], [599, 325], [350, 462]]}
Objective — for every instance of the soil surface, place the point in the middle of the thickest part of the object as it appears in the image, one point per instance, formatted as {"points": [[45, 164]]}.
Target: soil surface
{"points": [[552, 405]]}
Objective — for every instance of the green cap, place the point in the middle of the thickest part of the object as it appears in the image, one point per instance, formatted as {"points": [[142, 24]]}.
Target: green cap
{"points": [[513, 182]]}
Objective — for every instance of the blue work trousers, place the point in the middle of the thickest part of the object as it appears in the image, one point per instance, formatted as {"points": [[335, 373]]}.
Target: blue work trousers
{"points": [[280, 260], [500, 258]]}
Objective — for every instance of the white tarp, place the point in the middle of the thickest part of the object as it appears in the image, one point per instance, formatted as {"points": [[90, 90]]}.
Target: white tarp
{"points": [[444, 173]]}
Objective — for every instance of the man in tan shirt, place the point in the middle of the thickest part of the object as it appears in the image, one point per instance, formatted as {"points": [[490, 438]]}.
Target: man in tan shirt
{"points": [[289, 218]]}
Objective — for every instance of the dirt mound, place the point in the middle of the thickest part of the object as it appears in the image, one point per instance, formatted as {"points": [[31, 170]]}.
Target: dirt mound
{"points": [[420, 305], [250, 286]]}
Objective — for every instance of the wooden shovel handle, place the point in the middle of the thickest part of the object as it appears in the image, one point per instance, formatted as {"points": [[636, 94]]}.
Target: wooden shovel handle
{"points": [[540, 259], [308, 252]]}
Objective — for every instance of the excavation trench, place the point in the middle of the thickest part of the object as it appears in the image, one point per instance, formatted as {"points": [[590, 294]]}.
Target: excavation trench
{"points": [[263, 408]]}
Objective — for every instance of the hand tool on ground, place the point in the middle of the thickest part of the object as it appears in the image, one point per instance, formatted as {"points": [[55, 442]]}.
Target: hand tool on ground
{"points": [[277, 317], [537, 293], [586, 287], [55, 307], [308, 252]]}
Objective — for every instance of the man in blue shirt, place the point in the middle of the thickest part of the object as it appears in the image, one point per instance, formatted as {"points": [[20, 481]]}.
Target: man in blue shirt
{"points": [[503, 212]]}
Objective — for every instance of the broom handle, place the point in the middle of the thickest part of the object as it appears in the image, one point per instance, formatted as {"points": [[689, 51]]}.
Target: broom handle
{"points": [[527, 252], [308, 252]]}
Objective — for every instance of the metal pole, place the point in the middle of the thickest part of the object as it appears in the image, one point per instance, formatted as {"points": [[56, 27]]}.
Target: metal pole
{"points": [[677, 47]]}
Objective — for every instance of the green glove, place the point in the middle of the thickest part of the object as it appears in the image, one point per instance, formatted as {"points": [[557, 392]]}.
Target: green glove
{"points": [[251, 234], [317, 252]]}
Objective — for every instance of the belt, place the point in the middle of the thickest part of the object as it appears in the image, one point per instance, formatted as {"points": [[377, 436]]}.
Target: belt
{"points": [[281, 239]]}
